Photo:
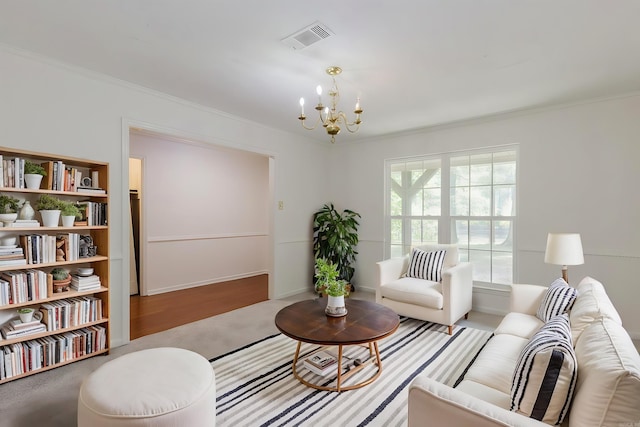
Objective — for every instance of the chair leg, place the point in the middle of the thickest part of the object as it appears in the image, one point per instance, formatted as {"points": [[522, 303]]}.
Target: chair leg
{"points": [[466, 316], [450, 329]]}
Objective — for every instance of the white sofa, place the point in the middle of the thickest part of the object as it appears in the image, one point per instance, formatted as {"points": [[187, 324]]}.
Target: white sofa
{"points": [[607, 390], [443, 302]]}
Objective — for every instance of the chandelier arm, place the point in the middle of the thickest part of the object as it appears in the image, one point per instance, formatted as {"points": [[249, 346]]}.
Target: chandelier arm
{"points": [[351, 127], [315, 125]]}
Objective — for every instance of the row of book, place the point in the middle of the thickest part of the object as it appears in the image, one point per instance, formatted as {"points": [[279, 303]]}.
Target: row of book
{"points": [[12, 256], [17, 287], [12, 172], [48, 248], [85, 283], [95, 213], [20, 358], [71, 312]]}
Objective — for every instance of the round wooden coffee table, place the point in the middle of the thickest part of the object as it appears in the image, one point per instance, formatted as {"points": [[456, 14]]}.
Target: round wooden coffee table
{"points": [[365, 323]]}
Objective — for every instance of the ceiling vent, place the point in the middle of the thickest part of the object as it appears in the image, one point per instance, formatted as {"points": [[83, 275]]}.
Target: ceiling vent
{"points": [[308, 36]]}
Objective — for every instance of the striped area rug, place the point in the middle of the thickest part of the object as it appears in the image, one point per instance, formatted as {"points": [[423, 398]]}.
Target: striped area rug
{"points": [[256, 387]]}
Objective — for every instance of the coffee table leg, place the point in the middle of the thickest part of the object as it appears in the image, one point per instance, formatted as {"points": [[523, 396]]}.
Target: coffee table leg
{"points": [[339, 368]]}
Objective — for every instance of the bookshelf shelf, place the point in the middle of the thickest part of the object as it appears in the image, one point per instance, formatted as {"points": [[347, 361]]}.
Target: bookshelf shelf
{"points": [[74, 340]]}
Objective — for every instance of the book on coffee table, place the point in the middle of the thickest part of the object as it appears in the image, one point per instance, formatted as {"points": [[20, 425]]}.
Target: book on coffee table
{"points": [[321, 363]]}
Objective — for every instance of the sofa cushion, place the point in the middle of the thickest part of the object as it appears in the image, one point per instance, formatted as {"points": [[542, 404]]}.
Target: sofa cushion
{"points": [[496, 362], [545, 375], [486, 393], [558, 299], [608, 388], [426, 265], [414, 291], [519, 324], [592, 303]]}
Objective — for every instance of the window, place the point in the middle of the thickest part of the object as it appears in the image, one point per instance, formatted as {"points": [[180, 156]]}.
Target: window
{"points": [[474, 206]]}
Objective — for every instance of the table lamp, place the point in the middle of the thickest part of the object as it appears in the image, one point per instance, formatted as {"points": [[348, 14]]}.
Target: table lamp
{"points": [[564, 249]]}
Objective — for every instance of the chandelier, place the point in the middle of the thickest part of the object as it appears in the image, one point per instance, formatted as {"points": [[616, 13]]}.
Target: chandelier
{"points": [[329, 116]]}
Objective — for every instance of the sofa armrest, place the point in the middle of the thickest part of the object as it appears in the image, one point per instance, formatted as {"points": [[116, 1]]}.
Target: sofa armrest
{"points": [[526, 298], [435, 404]]}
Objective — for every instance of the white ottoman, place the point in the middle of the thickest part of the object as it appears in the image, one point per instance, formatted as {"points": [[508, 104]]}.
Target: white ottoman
{"points": [[155, 387]]}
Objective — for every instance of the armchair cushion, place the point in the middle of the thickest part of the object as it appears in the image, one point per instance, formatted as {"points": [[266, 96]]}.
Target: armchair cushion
{"points": [[410, 290], [426, 265]]}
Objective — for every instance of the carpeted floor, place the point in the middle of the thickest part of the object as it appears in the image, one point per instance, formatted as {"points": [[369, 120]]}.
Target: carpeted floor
{"points": [[50, 398], [255, 385]]}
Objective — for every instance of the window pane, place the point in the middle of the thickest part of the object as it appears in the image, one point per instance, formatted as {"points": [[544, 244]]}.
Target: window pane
{"points": [[460, 233], [480, 201], [432, 202], [504, 167], [460, 201], [480, 235], [396, 176], [424, 231], [502, 240], [395, 202], [481, 263], [396, 231], [502, 268], [459, 171], [480, 170], [416, 204], [504, 199], [435, 180], [396, 251]]}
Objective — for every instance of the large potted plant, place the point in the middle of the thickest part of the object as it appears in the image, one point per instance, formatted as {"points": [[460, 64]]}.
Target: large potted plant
{"points": [[8, 209], [335, 236], [49, 208], [328, 282], [33, 174]]}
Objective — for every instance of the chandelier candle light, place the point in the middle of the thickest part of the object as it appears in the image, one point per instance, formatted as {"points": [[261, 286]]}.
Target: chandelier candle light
{"points": [[329, 116]]}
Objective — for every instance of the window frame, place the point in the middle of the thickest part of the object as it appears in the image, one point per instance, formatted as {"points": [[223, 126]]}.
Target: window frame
{"points": [[446, 220]]}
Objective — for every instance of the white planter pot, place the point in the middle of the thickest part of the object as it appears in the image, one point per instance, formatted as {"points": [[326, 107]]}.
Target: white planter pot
{"points": [[50, 218], [8, 218], [68, 220], [32, 180], [335, 306]]}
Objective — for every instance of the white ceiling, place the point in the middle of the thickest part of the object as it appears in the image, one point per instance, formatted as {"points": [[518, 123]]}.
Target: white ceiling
{"points": [[413, 63]]}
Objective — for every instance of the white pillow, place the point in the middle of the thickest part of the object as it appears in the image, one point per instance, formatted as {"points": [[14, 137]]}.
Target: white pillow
{"points": [[426, 265], [546, 373], [557, 300]]}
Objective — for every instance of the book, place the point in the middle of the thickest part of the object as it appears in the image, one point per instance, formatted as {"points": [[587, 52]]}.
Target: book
{"points": [[321, 363], [11, 333], [17, 324], [20, 261], [82, 189], [321, 359]]}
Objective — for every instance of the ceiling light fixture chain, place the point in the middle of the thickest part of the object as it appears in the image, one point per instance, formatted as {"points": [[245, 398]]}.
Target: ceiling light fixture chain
{"points": [[330, 117]]}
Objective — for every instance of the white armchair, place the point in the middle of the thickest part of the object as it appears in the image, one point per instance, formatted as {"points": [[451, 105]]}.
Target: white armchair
{"points": [[443, 302]]}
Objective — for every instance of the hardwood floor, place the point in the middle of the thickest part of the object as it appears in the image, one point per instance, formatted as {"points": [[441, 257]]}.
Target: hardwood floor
{"points": [[158, 313]]}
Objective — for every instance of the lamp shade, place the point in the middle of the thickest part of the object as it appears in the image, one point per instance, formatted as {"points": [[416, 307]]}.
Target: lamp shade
{"points": [[564, 249]]}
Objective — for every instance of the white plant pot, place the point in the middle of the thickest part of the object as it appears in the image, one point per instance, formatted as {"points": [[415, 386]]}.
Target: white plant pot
{"points": [[32, 180], [50, 218], [335, 306], [8, 218], [68, 220]]}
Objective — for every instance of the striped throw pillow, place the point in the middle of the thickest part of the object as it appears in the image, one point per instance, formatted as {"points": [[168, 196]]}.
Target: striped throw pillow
{"points": [[546, 373], [426, 265], [558, 300]]}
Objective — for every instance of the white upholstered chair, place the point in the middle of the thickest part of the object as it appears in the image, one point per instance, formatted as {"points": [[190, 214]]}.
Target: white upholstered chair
{"points": [[444, 301]]}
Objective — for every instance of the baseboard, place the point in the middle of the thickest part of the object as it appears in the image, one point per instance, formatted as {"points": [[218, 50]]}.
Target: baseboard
{"points": [[181, 286]]}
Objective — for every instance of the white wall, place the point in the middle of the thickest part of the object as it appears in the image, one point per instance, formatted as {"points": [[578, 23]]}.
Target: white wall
{"points": [[205, 213], [578, 172], [54, 108]]}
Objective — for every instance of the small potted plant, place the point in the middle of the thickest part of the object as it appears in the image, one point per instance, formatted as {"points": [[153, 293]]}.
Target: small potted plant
{"points": [[49, 208], [327, 281], [33, 174], [8, 209], [69, 212], [61, 280]]}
